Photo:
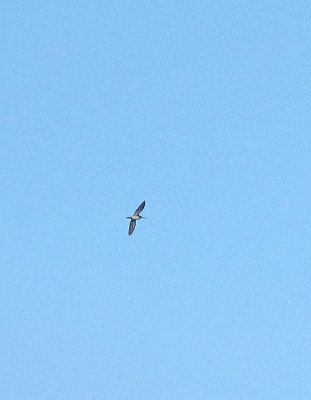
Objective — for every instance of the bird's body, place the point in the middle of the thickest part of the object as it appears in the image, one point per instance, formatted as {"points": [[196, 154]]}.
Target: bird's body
{"points": [[135, 218]]}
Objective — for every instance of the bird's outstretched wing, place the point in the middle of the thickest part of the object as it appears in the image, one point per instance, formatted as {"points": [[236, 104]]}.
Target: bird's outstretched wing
{"points": [[140, 208], [132, 226]]}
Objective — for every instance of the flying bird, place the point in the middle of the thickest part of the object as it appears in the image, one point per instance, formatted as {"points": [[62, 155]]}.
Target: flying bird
{"points": [[135, 217]]}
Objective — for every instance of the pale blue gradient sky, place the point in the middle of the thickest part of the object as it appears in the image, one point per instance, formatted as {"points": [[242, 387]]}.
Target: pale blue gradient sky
{"points": [[203, 110]]}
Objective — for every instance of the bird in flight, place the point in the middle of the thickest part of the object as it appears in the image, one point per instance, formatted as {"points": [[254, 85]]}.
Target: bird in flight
{"points": [[135, 217]]}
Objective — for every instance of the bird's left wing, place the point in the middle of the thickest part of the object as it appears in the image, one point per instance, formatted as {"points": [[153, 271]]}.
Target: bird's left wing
{"points": [[140, 208], [132, 226]]}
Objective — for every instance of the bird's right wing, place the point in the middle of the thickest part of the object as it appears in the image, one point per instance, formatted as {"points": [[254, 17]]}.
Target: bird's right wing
{"points": [[140, 208], [132, 226]]}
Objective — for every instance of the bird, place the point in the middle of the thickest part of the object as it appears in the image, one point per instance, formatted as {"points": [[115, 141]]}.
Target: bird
{"points": [[135, 217]]}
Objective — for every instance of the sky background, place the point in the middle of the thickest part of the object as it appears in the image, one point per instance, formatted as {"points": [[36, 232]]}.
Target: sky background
{"points": [[200, 108]]}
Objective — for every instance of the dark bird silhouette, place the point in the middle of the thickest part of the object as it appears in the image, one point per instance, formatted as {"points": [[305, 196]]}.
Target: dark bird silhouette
{"points": [[135, 217]]}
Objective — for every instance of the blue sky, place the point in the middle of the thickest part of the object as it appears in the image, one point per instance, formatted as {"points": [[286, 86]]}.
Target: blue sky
{"points": [[202, 109]]}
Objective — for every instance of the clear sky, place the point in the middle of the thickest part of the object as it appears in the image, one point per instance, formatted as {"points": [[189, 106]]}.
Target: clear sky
{"points": [[200, 108]]}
